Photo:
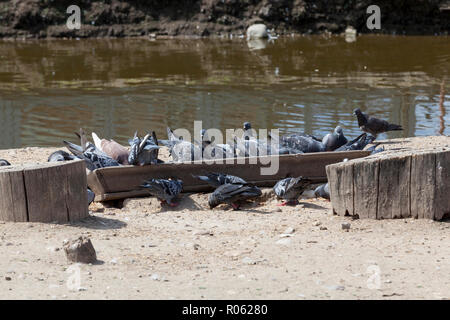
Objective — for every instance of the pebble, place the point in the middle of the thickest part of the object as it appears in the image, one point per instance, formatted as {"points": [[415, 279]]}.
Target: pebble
{"points": [[346, 226], [155, 277], [341, 288], [113, 261], [323, 228], [8, 278], [284, 241], [289, 230], [248, 260]]}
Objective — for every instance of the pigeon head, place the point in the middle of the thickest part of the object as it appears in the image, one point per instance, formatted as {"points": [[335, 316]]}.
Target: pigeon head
{"points": [[247, 126], [362, 120], [4, 163], [338, 130]]}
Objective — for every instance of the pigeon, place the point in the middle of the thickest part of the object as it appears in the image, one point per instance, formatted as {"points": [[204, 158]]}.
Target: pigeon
{"points": [[60, 155], [143, 151], [210, 150], [165, 190], [4, 163], [301, 142], [290, 189], [322, 191], [373, 149], [91, 196], [358, 143], [373, 125], [180, 150], [218, 179], [112, 149], [334, 140], [94, 158], [230, 193]]}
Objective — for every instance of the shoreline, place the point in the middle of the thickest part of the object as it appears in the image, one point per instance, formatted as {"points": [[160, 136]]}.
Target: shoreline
{"points": [[120, 18]]}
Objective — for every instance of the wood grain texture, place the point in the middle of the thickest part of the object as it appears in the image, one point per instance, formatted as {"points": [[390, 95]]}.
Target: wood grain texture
{"points": [[122, 181], [442, 185], [51, 192], [365, 180], [423, 185]]}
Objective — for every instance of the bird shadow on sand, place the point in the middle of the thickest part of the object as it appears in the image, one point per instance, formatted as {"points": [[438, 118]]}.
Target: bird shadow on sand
{"points": [[185, 202], [309, 205], [99, 223]]}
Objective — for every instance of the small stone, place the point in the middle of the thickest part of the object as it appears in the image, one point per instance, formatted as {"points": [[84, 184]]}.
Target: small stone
{"points": [[155, 277], [82, 289], [346, 226], [248, 260], [8, 278], [80, 250], [340, 288], [323, 228], [284, 241], [113, 261], [289, 230]]}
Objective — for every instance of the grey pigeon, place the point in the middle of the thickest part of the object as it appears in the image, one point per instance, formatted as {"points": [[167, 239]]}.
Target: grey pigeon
{"points": [[91, 196], [322, 191], [233, 193], [93, 157], [218, 179], [210, 150], [4, 163], [373, 125], [373, 149], [303, 143], [359, 143], [60, 155], [290, 189], [143, 151], [334, 140], [164, 190], [180, 150]]}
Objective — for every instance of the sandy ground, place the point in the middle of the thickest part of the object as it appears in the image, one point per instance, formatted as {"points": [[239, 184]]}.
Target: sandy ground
{"points": [[261, 252]]}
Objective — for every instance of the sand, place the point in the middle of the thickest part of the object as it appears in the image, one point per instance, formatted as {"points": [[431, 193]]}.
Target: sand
{"points": [[261, 252]]}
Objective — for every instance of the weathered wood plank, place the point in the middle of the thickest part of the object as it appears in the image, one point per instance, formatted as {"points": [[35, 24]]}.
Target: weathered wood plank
{"points": [[340, 181], [394, 187], [442, 185], [76, 191], [120, 180], [12, 195], [365, 181], [423, 184]]}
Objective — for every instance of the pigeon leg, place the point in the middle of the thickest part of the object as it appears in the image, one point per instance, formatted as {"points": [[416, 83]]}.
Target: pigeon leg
{"points": [[282, 204], [292, 202], [235, 206]]}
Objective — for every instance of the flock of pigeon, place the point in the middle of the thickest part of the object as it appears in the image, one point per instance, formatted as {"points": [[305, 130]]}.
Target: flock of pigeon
{"points": [[229, 189]]}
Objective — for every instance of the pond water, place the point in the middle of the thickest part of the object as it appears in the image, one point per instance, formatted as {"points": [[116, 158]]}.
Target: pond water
{"points": [[49, 89]]}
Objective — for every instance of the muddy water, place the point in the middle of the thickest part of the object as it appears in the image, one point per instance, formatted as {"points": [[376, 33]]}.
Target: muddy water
{"points": [[48, 89]]}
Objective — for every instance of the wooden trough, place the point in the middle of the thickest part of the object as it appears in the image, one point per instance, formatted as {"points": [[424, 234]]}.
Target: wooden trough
{"points": [[412, 184], [51, 192], [123, 182]]}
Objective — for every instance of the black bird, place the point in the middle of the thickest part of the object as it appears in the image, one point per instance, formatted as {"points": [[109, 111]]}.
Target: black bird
{"points": [[4, 163], [334, 140], [60, 155], [359, 143], [218, 179], [323, 191], [166, 191], [373, 125], [233, 193], [290, 189]]}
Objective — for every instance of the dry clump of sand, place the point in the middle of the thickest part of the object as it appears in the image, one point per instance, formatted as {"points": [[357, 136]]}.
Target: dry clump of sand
{"points": [[263, 251]]}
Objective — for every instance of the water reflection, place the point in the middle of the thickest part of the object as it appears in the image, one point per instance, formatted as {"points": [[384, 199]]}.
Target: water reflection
{"points": [[49, 89]]}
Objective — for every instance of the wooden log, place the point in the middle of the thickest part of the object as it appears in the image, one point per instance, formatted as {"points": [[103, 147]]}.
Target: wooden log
{"points": [[340, 180], [423, 185], [394, 188], [365, 181], [51, 192], [442, 185], [13, 204], [121, 182], [394, 185]]}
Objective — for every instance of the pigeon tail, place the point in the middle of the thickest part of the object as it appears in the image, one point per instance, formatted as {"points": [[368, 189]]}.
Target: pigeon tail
{"points": [[97, 141], [394, 127]]}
